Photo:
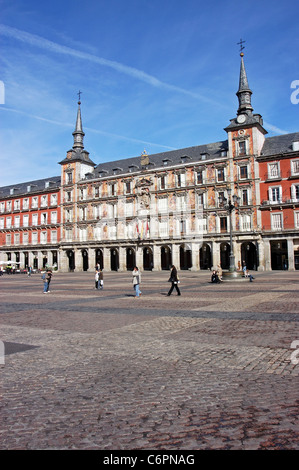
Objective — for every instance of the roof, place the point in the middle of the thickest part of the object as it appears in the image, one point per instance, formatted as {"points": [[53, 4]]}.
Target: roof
{"points": [[279, 144], [36, 186], [196, 154]]}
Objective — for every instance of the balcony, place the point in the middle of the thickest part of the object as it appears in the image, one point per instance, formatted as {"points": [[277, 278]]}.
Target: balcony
{"points": [[283, 201]]}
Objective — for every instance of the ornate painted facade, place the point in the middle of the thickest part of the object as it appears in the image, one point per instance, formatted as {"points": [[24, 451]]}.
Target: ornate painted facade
{"points": [[184, 207]]}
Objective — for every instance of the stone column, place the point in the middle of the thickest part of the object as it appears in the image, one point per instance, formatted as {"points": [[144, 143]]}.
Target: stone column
{"points": [[139, 257], [195, 256], [175, 250], [157, 258], [91, 259], [78, 260], [267, 255], [291, 257], [63, 261], [106, 258], [122, 259]]}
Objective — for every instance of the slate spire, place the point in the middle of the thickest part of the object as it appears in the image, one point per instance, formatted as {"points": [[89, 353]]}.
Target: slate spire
{"points": [[244, 93], [78, 132]]}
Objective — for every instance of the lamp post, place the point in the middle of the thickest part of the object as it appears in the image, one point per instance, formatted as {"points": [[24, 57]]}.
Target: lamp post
{"points": [[230, 206]]}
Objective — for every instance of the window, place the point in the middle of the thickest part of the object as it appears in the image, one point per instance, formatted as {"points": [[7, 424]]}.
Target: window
{"points": [[163, 228], [17, 221], [181, 180], [128, 187], [113, 189], [273, 170], [44, 201], [69, 178], [96, 191], [295, 167], [129, 209], [162, 182], [43, 237], [34, 238], [276, 221], [68, 196], [162, 204], [8, 206], [25, 238], [26, 203], [199, 177], [53, 236], [242, 147], [34, 203], [243, 172], [53, 217], [44, 218], [295, 192], [296, 215], [221, 199], [34, 219], [220, 174], [25, 220], [182, 227], [275, 194], [53, 199], [8, 239], [244, 197], [68, 215], [17, 205], [223, 224], [17, 239], [1, 223], [8, 222], [181, 203], [246, 222]]}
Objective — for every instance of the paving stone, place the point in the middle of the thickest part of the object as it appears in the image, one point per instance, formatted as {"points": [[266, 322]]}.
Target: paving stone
{"points": [[208, 370]]}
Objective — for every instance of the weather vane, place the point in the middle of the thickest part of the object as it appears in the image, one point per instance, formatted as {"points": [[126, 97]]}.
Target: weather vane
{"points": [[241, 45]]}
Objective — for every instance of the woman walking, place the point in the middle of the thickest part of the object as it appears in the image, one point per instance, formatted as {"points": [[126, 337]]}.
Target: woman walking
{"points": [[174, 280], [136, 281]]}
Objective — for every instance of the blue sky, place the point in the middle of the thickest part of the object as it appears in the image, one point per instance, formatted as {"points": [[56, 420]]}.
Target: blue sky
{"points": [[154, 74]]}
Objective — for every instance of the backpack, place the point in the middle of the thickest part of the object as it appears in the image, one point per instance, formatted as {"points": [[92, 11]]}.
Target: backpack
{"points": [[44, 276]]}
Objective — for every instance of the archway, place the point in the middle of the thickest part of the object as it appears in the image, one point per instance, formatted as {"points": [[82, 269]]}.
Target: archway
{"points": [[185, 257], [114, 259], [85, 263], [131, 259], [99, 258], [166, 257], [279, 255], [249, 255], [148, 263], [205, 257], [71, 257], [224, 255]]}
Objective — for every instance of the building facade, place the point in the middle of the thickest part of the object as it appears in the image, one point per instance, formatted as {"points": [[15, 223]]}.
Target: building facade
{"points": [[185, 207]]}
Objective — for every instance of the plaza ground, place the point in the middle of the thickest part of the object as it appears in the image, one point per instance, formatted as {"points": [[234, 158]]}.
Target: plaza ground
{"points": [[212, 369]]}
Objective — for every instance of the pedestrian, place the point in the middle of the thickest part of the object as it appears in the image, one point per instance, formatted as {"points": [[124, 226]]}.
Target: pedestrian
{"points": [[48, 279], [96, 279], [101, 279], [29, 270], [219, 272], [250, 276], [136, 281], [44, 278], [214, 277], [174, 281], [244, 270]]}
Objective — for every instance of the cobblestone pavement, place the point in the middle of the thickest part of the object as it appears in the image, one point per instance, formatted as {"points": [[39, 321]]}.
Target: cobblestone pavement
{"points": [[88, 369]]}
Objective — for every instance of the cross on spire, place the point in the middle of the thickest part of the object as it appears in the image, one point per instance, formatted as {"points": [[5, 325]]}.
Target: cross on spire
{"points": [[241, 45], [79, 94]]}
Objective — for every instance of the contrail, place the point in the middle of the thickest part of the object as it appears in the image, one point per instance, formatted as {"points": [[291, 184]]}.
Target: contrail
{"points": [[96, 131], [43, 43]]}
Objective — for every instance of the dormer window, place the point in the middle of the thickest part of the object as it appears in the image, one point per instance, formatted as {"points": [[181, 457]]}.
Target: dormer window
{"points": [[185, 159]]}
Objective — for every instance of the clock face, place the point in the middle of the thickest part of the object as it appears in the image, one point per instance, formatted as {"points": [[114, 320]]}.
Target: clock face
{"points": [[241, 118]]}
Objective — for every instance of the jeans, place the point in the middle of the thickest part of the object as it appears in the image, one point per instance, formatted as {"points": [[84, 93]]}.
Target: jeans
{"points": [[45, 286], [137, 290]]}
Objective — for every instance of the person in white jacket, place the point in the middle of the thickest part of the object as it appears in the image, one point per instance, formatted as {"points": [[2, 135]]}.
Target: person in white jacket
{"points": [[136, 281]]}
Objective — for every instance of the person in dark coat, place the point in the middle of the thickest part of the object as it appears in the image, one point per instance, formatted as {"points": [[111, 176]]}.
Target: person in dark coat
{"points": [[174, 281]]}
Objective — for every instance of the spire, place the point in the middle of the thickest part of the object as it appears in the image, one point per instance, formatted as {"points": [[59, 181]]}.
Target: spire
{"points": [[78, 132], [244, 93]]}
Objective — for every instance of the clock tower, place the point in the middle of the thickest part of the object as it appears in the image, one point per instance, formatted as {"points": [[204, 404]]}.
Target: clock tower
{"points": [[246, 128]]}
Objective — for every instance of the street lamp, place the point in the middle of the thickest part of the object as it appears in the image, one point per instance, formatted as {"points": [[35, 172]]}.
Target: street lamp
{"points": [[229, 205]]}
